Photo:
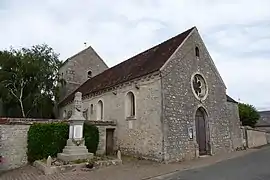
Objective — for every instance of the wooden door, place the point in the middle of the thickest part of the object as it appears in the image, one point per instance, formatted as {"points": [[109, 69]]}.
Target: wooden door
{"points": [[201, 132], [109, 141]]}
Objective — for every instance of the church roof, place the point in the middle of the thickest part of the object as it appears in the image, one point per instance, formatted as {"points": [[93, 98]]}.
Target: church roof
{"points": [[142, 64], [229, 99]]}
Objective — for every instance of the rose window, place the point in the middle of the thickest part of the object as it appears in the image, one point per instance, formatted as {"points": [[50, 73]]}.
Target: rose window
{"points": [[199, 86]]}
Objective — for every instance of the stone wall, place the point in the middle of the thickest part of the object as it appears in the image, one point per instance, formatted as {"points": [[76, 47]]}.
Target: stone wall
{"points": [[244, 136], [255, 138], [268, 138], [180, 104], [13, 138], [75, 69], [234, 125], [13, 144], [139, 136]]}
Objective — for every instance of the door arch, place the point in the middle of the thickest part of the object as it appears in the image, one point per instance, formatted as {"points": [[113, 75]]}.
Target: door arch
{"points": [[201, 130]]}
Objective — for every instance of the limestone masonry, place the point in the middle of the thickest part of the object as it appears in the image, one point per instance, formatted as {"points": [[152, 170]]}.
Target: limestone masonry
{"points": [[13, 139], [169, 103], [75, 69]]}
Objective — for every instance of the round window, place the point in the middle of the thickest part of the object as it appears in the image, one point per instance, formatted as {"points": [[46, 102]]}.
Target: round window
{"points": [[199, 86]]}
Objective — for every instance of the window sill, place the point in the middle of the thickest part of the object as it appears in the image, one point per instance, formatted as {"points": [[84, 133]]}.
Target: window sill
{"points": [[132, 118]]}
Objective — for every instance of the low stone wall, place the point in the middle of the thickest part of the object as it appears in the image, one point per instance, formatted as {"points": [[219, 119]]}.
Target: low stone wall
{"points": [[268, 138], [13, 145], [255, 138], [13, 139], [244, 137]]}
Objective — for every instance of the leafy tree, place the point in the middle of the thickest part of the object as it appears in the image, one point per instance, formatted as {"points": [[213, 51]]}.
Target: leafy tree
{"points": [[28, 81], [248, 114]]}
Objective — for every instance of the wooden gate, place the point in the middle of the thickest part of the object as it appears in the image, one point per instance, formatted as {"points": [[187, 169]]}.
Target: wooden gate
{"points": [[109, 141]]}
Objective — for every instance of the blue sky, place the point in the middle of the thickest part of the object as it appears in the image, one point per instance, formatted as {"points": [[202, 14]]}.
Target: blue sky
{"points": [[236, 33]]}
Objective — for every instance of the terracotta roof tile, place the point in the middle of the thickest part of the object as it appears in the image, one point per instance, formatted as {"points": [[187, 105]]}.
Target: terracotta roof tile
{"points": [[142, 64]]}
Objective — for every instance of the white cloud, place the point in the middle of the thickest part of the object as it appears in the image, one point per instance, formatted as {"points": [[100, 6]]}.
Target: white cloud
{"points": [[237, 32]]}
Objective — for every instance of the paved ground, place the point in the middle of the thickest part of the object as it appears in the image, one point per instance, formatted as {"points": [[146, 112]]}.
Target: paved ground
{"points": [[254, 166], [251, 162]]}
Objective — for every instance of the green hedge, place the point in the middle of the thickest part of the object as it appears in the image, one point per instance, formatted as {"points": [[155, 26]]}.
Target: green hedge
{"points": [[91, 137], [48, 139]]}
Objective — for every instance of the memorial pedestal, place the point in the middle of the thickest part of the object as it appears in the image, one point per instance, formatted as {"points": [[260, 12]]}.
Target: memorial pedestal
{"points": [[75, 148], [72, 152]]}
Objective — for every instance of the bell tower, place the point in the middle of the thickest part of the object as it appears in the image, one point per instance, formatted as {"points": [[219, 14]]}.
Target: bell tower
{"points": [[79, 68]]}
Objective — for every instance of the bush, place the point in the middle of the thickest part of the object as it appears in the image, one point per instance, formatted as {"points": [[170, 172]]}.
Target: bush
{"points": [[248, 114], [48, 139], [91, 137]]}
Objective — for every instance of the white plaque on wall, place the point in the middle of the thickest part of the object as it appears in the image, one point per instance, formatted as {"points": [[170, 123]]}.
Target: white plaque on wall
{"points": [[77, 131], [190, 133]]}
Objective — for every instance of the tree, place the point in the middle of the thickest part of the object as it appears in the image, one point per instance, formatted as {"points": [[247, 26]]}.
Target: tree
{"points": [[28, 81], [248, 114]]}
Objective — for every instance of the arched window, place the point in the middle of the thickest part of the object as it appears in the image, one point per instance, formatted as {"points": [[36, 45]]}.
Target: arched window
{"points": [[91, 108], [100, 110], [69, 114], [130, 105], [197, 52], [89, 74], [65, 114]]}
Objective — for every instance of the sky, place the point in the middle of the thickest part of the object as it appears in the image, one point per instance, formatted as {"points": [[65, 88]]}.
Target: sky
{"points": [[236, 33]]}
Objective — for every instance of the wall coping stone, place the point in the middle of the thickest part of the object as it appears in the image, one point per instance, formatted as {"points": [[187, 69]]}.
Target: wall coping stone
{"points": [[263, 125], [30, 121], [101, 123], [26, 121], [253, 129]]}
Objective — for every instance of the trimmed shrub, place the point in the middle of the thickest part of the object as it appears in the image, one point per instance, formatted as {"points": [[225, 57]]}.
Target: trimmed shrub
{"points": [[48, 139], [91, 137]]}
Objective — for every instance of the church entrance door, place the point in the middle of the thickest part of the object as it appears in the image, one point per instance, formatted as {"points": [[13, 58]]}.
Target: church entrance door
{"points": [[201, 131]]}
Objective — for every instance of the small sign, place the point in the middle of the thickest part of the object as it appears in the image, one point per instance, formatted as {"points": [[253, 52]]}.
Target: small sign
{"points": [[190, 133]]}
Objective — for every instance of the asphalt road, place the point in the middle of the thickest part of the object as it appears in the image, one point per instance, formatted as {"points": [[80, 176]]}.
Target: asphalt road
{"points": [[254, 166]]}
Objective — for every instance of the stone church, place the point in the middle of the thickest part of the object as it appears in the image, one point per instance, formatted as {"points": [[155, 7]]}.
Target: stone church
{"points": [[169, 102]]}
